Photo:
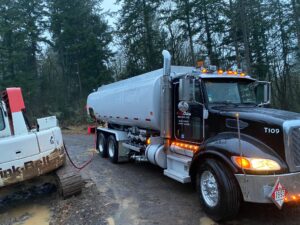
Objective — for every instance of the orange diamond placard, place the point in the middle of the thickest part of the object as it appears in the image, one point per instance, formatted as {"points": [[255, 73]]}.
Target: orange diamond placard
{"points": [[278, 194]]}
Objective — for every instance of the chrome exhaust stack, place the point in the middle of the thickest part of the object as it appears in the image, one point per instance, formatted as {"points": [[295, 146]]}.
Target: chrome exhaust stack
{"points": [[165, 99]]}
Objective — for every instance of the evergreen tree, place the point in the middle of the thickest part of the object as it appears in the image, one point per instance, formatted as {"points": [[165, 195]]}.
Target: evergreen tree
{"points": [[140, 37], [21, 29], [212, 24], [80, 38], [186, 14]]}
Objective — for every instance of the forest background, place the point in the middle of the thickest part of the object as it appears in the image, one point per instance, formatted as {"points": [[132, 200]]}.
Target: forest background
{"points": [[59, 51]]}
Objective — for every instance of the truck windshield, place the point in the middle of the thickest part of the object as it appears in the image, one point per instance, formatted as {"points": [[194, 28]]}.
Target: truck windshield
{"points": [[230, 92]]}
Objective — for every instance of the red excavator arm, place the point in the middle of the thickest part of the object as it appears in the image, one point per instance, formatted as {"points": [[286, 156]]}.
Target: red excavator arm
{"points": [[14, 103]]}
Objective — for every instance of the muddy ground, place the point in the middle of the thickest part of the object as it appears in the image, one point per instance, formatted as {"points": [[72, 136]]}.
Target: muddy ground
{"points": [[123, 194]]}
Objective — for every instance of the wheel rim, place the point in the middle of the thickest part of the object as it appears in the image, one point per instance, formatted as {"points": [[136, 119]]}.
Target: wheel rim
{"points": [[209, 188], [111, 149], [101, 145]]}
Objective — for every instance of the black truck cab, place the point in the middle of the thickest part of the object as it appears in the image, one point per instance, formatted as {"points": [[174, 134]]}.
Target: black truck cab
{"points": [[247, 149]]}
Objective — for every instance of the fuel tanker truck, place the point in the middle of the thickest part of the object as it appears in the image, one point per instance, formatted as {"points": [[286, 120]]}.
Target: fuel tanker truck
{"points": [[206, 126]]}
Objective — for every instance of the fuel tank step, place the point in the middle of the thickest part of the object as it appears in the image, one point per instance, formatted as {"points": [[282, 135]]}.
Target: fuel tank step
{"points": [[178, 167]]}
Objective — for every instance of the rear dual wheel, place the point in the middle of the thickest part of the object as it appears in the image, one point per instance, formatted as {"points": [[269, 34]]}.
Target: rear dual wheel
{"points": [[113, 151], [218, 190], [108, 147], [102, 145]]}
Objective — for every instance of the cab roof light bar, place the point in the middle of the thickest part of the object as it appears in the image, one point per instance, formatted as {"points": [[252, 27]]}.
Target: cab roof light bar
{"points": [[214, 70]]}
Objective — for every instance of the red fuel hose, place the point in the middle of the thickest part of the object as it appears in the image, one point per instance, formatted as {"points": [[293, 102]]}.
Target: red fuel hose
{"points": [[81, 166], [87, 162]]}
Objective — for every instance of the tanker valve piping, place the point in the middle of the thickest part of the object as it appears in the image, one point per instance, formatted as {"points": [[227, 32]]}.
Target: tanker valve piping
{"points": [[139, 158]]}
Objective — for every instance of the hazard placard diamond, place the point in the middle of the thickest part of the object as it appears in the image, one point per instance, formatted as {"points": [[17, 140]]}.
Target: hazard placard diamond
{"points": [[278, 194]]}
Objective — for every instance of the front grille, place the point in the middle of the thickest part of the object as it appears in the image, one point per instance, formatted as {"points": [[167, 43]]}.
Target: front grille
{"points": [[291, 130], [295, 145]]}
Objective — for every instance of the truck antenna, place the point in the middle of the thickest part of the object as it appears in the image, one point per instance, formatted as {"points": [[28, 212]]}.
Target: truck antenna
{"points": [[237, 115]]}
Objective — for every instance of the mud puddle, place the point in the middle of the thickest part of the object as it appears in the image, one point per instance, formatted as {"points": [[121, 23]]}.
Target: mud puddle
{"points": [[16, 195], [30, 215], [25, 204]]}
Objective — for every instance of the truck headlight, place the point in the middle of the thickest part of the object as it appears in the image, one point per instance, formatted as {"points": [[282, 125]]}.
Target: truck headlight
{"points": [[256, 164]]}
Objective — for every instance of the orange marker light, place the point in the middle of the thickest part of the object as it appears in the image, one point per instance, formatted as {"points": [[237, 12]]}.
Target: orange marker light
{"points": [[229, 72], [294, 197], [220, 72], [193, 148], [235, 73], [242, 74], [242, 162], [148, 141], [204, 70]]}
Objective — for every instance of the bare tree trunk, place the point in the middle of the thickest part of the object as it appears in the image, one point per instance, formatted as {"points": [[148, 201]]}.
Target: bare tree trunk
{"points": [[189, 30], [296, 13], [234, 33], [285, 71], [209, 44], [79, 80], [148, 43], [243, 4]]}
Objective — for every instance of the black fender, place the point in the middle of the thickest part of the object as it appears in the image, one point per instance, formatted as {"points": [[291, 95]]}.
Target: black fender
{"points": [[225, 145], [210, 154]]}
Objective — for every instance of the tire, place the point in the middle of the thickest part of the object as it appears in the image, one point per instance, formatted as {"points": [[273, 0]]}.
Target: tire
{"points": [[102, 145], [224, 197], [113, 151]]}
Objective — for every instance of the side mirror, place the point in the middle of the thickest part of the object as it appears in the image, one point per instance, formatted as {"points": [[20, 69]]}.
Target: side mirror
{"points": [[187, 90], [263, 93]]}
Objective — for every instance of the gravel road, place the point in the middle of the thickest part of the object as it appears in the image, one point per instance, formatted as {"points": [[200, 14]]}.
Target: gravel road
{"points": [[131, 194]]}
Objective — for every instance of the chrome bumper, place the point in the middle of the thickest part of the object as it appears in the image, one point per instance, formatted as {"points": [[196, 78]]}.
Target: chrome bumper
{"points": [[257, 188]]}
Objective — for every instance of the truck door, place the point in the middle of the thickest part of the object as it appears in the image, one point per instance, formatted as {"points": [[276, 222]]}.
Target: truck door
{"points": [[188, 105]]}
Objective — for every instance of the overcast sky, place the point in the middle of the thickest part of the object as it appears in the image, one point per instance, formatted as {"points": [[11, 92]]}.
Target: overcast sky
{"points": [[109, 5]]}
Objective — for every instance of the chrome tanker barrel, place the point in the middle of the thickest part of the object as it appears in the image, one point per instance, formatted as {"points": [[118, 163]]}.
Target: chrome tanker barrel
{"points": [[143, 101]]}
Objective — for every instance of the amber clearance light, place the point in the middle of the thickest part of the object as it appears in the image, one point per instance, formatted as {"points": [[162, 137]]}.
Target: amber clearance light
{"points": [[186, 146], [220, 72], [289, 198], [257, 164], [148, 141], [204, 70]]}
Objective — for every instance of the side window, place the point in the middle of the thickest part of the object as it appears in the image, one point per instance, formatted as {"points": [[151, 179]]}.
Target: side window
{"points": [[198, 93], [2, 124], [189, 117]]}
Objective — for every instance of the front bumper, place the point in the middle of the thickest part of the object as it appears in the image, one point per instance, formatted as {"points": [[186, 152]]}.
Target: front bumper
{"points": [[257, 188]]}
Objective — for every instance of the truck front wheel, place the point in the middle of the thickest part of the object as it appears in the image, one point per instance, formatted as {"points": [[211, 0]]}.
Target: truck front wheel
{"points": [[113, 149], [218, 190], [102, 146]]}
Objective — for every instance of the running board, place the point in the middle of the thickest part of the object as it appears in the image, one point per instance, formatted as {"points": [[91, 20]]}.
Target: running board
{"points": [[178, 167]]}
